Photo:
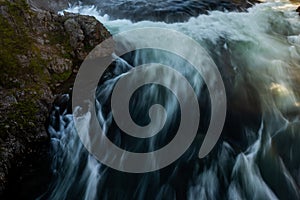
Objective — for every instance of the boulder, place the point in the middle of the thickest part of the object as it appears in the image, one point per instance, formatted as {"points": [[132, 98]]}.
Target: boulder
{"points": [[40, 51]]}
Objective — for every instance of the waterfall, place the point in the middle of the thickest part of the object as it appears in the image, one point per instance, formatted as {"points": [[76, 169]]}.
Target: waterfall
{"points": [[257, 53]]}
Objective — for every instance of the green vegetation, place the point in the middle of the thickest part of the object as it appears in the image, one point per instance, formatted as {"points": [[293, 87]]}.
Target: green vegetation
{"points": [[21, 117], [14, 42], [22, 70], [56, 78], [62, 39]]}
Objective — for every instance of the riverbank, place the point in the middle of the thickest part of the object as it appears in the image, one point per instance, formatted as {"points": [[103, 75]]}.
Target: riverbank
{"points": [[39, 52]]}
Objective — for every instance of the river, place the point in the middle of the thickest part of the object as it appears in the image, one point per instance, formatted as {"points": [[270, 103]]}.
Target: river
{"points": [[258, 55]]}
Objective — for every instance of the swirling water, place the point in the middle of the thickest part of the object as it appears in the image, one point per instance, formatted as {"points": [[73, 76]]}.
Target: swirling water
{"points": [[257, 53]]}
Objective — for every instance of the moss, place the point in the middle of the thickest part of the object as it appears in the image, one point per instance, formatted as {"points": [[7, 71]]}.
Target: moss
{"points": [[88, 47], [58, 38], [20, 117], [11, 45], [17, 3], [67, 56], [56, 78], [63, 39], [23, 113], [38, 67], [14, 41]]}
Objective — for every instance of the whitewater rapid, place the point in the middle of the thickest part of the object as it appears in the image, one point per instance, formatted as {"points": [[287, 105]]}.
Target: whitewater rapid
{"points": [[258, 55]]}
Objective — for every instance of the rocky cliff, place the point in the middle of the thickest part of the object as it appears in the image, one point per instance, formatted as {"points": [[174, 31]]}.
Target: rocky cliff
{"points": [[40, 53]]}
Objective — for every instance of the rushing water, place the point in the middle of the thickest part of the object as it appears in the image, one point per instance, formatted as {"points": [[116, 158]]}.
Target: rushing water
{"points": [[257, 156], [164, 10]]}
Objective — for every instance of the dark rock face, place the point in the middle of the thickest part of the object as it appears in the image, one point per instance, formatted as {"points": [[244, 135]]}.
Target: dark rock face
{"points": [[39, 52]]}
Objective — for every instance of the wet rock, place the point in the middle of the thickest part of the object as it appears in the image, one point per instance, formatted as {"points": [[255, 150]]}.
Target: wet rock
{"points": [[75, 32], [60, 65], [36, 64], [91, 29], [85, 33]]}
